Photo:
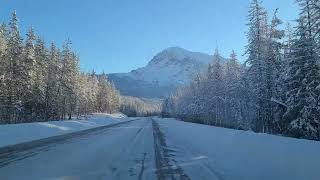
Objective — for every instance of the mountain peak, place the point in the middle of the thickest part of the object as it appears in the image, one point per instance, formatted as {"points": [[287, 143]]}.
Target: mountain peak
{"points": [[168, 69], [181, 51], [177, 54], [176, 49]]}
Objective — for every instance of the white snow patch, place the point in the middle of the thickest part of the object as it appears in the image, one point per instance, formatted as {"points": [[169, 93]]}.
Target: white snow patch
{"points": [[199, 158], [62, 128]]}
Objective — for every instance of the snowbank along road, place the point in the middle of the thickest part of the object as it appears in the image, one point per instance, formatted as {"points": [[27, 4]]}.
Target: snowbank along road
{"points": [[160, 149]]}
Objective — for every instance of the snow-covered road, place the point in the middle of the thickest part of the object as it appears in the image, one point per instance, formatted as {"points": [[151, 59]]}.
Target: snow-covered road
{"points": [[153, 148], [122, 151]]}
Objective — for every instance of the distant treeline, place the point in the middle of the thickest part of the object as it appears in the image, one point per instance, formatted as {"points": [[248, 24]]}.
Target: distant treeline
{"points": [[136, 107], [277, 89], [39, 83]]}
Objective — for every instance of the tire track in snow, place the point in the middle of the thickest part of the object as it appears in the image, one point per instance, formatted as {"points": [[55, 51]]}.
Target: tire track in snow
{"points": [[128, 153], [142, 166], [167, 168], [195, 162]]}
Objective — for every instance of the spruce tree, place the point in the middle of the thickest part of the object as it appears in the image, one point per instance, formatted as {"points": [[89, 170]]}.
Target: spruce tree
{"points": [[256, 50], [69, 75], [39, 79], [3, 65], [232, 91], [53, 91], [302, 81], [14, 72], [28, 75], [273, 74]]}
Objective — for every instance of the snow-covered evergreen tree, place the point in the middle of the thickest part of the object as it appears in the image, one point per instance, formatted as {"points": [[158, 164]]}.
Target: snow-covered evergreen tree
{"points": [[3, 39], [3, 64], [217, 90], [39, 79], [37, 84], [14, 71], [273, 75], [69, 79], [28, 61], [275, 91], [52, 83], [256, 50], [303, 81], [102, 95], [233, 113]]}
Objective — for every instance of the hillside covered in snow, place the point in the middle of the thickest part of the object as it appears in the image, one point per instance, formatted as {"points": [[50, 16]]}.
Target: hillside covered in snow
{"points": [[166, 71]]}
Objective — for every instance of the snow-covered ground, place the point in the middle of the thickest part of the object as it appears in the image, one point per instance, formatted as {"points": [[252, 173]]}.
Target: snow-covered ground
{"points": [[155, 148], [19, 133], [205, 152]]}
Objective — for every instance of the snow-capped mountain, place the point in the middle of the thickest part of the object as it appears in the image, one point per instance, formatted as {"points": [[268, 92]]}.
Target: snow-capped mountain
{"points": [[167, 70]]}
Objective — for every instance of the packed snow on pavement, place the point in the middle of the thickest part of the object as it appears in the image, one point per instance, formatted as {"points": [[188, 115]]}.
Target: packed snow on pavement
{"points": [[121, 151]]}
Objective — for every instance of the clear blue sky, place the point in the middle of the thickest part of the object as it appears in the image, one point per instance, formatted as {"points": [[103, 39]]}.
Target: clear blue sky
{"points": [[121, 35]]}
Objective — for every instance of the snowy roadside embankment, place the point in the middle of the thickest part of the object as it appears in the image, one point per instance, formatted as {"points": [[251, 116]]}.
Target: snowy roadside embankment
{"points": [[206, 152], [12, 134]]}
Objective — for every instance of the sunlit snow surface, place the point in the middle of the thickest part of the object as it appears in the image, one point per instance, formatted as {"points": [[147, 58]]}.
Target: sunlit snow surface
{"points": [[18, 133], [172, 65], [205, 152], [155, 148]]}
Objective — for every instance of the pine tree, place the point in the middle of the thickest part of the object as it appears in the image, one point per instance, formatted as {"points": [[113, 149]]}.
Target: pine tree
{"points": [[216, 89], [3, 65], [37, 84], [315, 6], [69, 75], [277, 90], [107, 97], [93, 84], [273, 73], [247, 100], [287, 44], [102, 96], [302, 83], [114, 99], [53, 84], [3, 40], [39, 79], [14, 73], [82, 91], [232, 91], [28, 74], [256, 50]]}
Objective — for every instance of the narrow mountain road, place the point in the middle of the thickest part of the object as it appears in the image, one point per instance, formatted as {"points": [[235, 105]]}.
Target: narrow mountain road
{"points": [[130, 150]]}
